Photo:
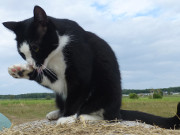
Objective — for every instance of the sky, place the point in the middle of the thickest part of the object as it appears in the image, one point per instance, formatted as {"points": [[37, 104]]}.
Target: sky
{"points": [[144, 34]]}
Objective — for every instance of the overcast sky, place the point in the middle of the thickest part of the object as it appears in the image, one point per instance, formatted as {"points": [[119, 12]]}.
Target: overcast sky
{"points": [[145, 35]]}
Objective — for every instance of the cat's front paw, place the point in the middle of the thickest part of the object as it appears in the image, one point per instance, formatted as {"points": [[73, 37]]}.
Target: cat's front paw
{"points": [[54, 115], [20, 71], [67, 120]]}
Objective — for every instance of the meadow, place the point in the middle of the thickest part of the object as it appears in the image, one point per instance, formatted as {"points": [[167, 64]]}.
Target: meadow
{"points": [[25, 110]]}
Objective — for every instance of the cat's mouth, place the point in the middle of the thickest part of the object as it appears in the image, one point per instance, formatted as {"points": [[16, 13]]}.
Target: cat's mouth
{"points": [[42, 69], [35, 65]]}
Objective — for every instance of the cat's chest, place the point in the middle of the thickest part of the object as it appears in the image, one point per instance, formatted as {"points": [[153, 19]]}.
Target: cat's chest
{"points": [[58, 66], [55, 62]]}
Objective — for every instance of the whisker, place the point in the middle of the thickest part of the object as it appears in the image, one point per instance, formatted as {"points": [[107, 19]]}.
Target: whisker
{"points": [[50, 71], [51, 75], [39, 76]]}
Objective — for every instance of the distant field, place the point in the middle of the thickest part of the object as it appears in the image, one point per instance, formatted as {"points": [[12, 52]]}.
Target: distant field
{"points": [[20, 111]]}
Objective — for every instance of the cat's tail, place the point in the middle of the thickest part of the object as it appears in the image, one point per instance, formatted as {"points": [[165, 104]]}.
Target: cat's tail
{"points": [[172, 122]]}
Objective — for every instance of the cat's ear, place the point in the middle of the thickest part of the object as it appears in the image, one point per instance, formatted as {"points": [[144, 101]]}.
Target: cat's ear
{"points": [[40, 16], [11, 25]]}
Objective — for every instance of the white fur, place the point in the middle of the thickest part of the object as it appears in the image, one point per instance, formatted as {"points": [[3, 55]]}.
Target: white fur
{"points": [[55, 61], [13, 70], [87, 117], [95, 116], [54, 115], [24, 48], [63, 41], [67, 120], [59, 86]]}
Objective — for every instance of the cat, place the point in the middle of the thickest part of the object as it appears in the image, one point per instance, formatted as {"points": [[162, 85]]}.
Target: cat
{"points": [[80, 67]]}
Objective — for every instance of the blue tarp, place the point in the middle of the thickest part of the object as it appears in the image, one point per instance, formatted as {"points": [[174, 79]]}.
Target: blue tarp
{"points": [[4, 122]]}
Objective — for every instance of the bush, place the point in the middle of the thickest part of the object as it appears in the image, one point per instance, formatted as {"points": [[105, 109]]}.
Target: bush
{"points": [[133, 96], [48, 97], [157, 95]]}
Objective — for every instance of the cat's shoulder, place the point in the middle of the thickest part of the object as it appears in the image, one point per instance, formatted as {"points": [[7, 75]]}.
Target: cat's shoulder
{"points": [[66, 24]]}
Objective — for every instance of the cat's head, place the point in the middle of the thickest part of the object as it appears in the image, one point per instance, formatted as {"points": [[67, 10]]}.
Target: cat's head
{"points": [[36, 37]]}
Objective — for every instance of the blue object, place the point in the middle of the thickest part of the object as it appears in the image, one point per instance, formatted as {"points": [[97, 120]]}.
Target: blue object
{"points": [[4, 122]]}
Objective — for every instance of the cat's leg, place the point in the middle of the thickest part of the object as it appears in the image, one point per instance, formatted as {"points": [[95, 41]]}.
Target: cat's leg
{"points": [[20, 71], [54, 115], [78, 93], [28, 72], [70, 109], [96, 108]]}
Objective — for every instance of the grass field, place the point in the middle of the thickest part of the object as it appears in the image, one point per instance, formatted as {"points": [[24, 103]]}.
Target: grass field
{"points": [[20, 111], [165, 107]]}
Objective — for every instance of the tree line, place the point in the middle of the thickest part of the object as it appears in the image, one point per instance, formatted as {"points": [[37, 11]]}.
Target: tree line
{"points": [[169, 90], [52, 95], [29, 96]]}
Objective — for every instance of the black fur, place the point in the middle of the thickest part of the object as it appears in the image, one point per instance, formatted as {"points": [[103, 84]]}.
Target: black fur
{"points": [[92, 73]]}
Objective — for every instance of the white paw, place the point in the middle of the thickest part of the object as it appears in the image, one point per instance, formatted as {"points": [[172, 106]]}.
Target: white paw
{"points": [[90, 118], [67, 120], [95, 116], [54, 115], [19, 71]]}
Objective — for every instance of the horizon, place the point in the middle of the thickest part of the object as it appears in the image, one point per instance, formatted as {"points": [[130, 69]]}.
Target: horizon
{"points": [[51, 92]]}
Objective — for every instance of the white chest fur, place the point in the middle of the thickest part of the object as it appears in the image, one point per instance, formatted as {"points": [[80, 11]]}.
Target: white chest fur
{"points": [[55, 61]]}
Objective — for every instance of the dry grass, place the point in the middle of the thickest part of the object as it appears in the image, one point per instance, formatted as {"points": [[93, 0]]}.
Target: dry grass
{"points": [[82, 128]]}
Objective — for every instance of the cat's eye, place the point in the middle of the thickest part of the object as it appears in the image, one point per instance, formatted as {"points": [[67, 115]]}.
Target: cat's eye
{"points": [[35, 48]]}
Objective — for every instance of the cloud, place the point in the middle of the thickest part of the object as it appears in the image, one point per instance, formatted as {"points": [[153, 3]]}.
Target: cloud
{"points": [[144, 35]]}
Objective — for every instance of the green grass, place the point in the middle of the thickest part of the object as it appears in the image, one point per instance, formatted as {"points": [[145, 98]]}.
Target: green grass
{"points": [[166, 106], [20, 111]]}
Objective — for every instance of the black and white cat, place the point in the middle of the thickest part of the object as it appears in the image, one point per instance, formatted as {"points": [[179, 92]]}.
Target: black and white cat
{"points": [[78, 66]]}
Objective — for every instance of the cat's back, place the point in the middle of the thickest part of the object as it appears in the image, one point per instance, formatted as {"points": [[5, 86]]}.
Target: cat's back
{"points": [[66, 26], [87, 41]]}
